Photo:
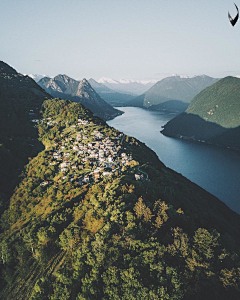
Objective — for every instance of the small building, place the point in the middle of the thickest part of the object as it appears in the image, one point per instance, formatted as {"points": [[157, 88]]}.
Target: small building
{"points": [[44, 183], [110, 158], [107, 173], [96, 176], [139, 176], [64, 166], [86, 179]]}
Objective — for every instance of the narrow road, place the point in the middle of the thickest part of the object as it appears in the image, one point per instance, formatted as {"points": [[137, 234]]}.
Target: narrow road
{"points": [[124, 135], [143, 173]]}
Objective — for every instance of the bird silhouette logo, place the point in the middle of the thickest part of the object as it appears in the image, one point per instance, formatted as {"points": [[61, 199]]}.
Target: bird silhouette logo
{"points": [[233, 21]]}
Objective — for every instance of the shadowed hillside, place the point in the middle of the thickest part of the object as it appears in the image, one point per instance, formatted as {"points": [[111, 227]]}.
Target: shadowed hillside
{"points": [[213, 116], [20, 102]]}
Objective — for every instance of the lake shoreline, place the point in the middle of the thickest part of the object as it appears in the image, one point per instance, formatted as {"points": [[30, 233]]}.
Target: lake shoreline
{"points": [[215, 169]]}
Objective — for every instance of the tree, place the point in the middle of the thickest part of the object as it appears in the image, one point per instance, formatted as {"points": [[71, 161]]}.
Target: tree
{"points": [[205, 242], [5, 252]]}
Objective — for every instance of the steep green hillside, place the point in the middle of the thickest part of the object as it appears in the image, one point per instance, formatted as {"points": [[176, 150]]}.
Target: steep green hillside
{"points": [[219, 103], [98, 216], [20, 101], [173, 88], [65, 87], [212, 116]]}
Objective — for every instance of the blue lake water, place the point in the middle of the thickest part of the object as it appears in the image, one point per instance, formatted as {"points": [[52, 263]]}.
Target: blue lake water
{"points": [[215, 169]]}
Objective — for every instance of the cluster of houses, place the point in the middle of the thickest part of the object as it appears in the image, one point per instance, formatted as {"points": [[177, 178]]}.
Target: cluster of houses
{"points": [[86, 158]]}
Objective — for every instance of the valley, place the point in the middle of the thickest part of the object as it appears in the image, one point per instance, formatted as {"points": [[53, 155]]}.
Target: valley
{"points": [[119, 150], [213, 168], [95, 213]]}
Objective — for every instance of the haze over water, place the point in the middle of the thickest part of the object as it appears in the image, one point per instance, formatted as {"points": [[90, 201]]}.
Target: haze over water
{"points": [[215, 169]]}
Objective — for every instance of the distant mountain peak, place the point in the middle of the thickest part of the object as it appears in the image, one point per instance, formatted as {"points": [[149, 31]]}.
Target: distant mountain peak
{"points": [[181, 76], [62, 77], [37, 77], [85, 81], [173, 88], [124, 81], [108, 80], [66, 87], [187, 76], [135, 87], [144, 82]]}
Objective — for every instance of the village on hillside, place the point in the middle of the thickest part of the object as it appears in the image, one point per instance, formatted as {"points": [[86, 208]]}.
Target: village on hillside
{"points": [[85, 157]]}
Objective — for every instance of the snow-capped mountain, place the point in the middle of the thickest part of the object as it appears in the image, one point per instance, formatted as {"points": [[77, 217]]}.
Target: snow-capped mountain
{"points": [[104, 80], [110, 96], [187, 76], [132, 86]]}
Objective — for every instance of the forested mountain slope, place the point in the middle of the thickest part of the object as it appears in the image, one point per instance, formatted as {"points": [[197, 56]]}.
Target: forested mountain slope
{"points": [[20, 101], [98, 216], [212, 116]]}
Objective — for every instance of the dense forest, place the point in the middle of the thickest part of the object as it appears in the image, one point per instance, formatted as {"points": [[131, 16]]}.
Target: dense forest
{"points": [[137, 230]]}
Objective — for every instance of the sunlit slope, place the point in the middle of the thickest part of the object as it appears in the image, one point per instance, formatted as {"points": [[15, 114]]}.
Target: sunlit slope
{"points": [[64, 87], [137, 230], [219, 103]]}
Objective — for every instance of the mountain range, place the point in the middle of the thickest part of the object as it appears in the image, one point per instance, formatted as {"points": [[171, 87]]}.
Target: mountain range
{"points": [[173, 93], [213, 116], [37, 77], [74, 230], [110, 96], [65, 87], [128, 86], [96, 215]]}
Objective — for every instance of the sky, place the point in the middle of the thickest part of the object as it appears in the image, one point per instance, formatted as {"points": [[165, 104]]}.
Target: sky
{"points": [[134, 39]]}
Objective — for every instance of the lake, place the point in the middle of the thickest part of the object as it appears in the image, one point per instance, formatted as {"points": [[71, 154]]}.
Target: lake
{"points": [[215, 169]]}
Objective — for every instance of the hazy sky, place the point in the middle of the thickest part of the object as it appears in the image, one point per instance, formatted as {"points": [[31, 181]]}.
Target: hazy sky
{"points": [[120, 38]]}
